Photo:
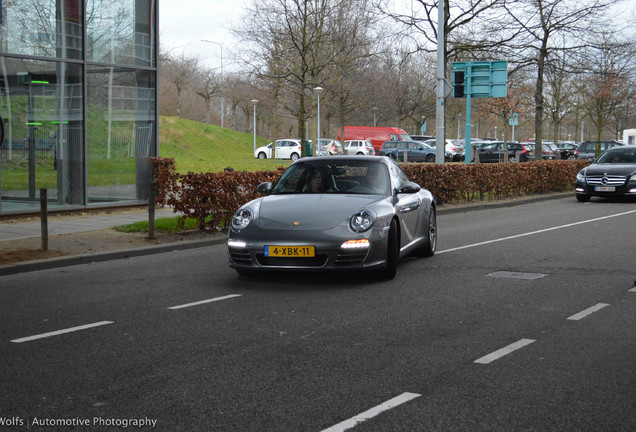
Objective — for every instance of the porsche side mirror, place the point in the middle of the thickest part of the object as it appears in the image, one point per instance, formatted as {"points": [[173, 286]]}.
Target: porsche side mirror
{"points": [[264, 188], [408, 188]]}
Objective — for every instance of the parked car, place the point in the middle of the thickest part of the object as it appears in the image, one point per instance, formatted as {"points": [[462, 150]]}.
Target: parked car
{"points": [[359, 213], [493, 151], [587, 148], [334, 147], [284, 149], [453, 151], [359, 147], [549, 150], [612, 174], [415, 151], [377, 135], [566, 150], [321, 150]]}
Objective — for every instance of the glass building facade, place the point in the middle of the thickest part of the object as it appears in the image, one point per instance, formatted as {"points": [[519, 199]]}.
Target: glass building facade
{"points": [[78, 102]]}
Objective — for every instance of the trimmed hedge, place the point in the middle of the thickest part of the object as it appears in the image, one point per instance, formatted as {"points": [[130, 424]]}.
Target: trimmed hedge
{"points": [[218, 195]]}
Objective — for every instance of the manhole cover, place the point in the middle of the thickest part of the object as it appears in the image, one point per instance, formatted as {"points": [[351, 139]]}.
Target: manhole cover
{"points": [[517, 275]]}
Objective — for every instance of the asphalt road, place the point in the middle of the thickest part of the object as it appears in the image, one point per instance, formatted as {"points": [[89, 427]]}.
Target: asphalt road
{"points": [[523, 321]]}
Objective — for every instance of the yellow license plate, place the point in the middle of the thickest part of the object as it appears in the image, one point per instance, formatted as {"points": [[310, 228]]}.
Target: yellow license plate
{"points": [[290, 251]]}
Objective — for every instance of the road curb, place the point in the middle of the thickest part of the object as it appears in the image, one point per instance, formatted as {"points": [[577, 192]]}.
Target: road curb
{"points": [[67, 261], [504, 203]]}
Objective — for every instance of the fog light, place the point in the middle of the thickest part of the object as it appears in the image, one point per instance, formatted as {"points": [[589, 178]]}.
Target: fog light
{"points": [[355, 244], [632, 190], [236, 243], [578, 189]]}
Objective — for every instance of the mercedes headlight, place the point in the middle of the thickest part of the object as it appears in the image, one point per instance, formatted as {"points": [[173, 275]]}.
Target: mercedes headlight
{"points": [[242, 218], [581, 176], [362, 221]]}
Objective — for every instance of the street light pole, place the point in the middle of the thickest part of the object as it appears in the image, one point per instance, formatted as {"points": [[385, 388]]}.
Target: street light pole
{"points": [[318, 90], [375, 111], [222, 97], [459, 117], [255, 102]]}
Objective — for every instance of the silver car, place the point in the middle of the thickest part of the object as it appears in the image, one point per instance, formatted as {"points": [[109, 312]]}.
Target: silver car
{"points": [[359, 147], [326, 213]]}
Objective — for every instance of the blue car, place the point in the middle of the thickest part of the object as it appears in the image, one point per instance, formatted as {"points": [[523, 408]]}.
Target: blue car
{"points": [[415, 151]]}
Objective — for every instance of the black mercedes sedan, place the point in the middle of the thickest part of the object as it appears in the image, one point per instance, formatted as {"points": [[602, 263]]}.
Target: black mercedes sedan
{"points": [[612, 174]]}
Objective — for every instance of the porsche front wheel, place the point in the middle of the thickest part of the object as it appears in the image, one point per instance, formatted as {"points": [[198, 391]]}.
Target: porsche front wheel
{"points": [[392, 252]]}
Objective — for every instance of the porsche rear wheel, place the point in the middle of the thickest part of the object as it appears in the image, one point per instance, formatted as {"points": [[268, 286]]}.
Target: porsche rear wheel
{"points": [[392, 253]]}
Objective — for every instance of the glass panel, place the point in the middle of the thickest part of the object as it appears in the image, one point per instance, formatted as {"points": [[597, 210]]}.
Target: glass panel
{"points": [[121, 133], [120, 32], [46, 28], [41, 106]]}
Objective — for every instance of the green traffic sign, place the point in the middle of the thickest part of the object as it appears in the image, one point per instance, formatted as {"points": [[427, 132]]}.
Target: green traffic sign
{"points": [[480, 79]]}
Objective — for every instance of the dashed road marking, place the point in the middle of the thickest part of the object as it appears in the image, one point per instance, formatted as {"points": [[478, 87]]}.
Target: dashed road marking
{"points": [[60, 332], [534, 232], [504, 351], [204, 301], [373, 412], [587, 312]]}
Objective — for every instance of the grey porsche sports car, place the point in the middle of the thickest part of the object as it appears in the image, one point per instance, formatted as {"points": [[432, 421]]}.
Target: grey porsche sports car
{"points": [[327, 213]]}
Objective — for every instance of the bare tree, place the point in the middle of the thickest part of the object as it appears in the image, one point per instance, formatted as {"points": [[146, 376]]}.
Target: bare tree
{"points": [[607, 85], [179, 72], [543, 28], [561, 92], [295, 34], [207, 86]]}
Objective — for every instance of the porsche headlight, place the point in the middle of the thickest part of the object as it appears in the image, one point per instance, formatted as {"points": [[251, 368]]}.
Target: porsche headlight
{"points": [[242, 218], [362, 221]]}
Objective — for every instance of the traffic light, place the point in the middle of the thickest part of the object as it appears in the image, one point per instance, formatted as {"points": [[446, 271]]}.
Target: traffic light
{"points": [[458, 84]]}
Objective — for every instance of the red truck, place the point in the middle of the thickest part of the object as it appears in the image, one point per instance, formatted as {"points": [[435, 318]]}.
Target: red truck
{"points": [[377, 135]]}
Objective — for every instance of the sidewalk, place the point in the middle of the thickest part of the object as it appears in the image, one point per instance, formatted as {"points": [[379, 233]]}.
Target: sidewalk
{"points": [[85, 238], [71, 224]]}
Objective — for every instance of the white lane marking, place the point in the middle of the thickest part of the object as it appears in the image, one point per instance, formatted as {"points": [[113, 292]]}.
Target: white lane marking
{"points": [[59, 332], [588, 311], [535, 232], [373, 412], [504, 351], [204, 301]]}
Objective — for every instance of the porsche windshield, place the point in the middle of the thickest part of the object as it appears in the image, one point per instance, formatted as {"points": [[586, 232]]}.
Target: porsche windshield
{"points": [[351, 177]]}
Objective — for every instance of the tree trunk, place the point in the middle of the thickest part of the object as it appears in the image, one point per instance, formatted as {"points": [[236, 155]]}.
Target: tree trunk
{"points": [[179, 103], [302, 117], [538, 101]]}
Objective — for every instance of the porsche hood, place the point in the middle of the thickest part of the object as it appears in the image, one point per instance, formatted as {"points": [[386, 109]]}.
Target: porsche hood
{"points": [[310, 211]]}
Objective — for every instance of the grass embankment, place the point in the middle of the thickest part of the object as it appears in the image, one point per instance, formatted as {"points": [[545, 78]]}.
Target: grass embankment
{"points": [[196, 147], [200, 147]]}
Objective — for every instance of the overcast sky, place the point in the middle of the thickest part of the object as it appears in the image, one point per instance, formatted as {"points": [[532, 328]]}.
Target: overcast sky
{"points": [[183, 23]]}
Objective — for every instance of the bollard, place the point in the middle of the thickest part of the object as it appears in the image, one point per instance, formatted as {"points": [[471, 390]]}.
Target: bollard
{"points": [[151, 210], [44, 223]]}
